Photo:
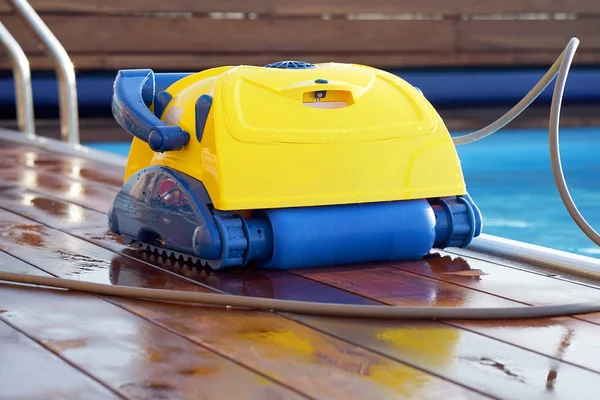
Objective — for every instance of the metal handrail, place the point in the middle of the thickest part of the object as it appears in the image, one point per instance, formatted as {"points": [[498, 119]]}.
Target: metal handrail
{"points": [[22, 78], [69, 114]]}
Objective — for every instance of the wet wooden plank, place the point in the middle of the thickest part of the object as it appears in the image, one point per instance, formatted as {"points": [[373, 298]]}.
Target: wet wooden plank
{"points": [[24, 362], [93, 196], [49, 210], [31, 156], [510, 283], [112, 34], [406, 287], [513, 262], [391, 286], [73, 167], [90, 172], [6, 186], [270, 344], [567, 339], [132, 356]]}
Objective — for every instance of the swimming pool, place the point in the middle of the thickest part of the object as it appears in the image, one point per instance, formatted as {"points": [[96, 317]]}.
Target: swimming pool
{"points": [[509, 176]]}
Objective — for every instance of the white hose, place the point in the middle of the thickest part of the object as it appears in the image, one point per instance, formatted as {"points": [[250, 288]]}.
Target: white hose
{"points": [[307, 307], [557, 169], [525, 101]]}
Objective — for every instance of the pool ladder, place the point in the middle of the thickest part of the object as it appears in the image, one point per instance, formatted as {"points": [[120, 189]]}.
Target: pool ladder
{"points": [[69, 116]]}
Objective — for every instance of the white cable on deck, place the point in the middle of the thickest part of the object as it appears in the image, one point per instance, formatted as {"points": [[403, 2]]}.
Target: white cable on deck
{"points": [[306, 307]]}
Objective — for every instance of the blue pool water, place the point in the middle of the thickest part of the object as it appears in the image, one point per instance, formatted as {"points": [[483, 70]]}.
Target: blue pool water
{"points": [[509, 176]]}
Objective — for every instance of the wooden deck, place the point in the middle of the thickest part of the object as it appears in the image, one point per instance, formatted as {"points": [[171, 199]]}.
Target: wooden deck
{"points": [[59, 344]]}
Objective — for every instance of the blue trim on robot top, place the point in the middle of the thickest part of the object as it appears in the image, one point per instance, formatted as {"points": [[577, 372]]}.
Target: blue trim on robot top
{"points": [[203, 106], [134, 92], [162, 81], [161, 101]]}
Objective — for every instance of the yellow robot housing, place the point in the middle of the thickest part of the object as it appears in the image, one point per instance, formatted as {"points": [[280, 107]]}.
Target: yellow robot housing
{"points": [[332, 134], [293, 142]]}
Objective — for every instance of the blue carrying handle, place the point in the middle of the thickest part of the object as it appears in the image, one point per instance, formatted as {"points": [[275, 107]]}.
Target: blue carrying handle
{"points": [[133, 93]]}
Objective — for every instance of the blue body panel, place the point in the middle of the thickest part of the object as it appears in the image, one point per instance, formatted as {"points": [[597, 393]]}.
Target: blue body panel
{"points": [[345, 234], [143, 212], [203, 106], [458, 221]]}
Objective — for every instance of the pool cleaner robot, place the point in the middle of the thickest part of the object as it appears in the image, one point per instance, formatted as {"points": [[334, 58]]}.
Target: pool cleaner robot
{"points": [[287, 165], [141, 95]]}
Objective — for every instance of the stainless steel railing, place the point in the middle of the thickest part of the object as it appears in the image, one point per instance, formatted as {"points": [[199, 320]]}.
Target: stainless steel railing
{"points": [[65, 71], [22, 78]]}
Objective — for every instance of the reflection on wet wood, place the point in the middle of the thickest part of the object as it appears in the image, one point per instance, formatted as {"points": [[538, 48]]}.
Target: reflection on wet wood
{"points": [[26, 156], [50, 211], [6, 185], [28, 371], [543, 269], [94, 196], [391, 286], [72, 167], [518, 285], [496, 368], [300, 355], [566, 339], [132, 356], [90, 172]]}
